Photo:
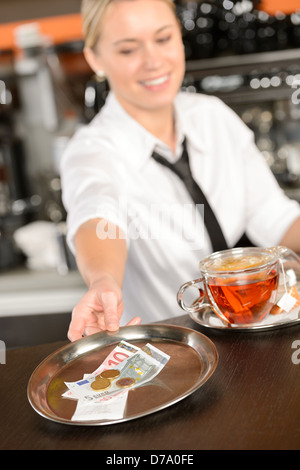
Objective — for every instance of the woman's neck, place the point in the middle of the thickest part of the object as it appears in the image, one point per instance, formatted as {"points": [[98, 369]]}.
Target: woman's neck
{"points": [[159, 122], [162, 126]]}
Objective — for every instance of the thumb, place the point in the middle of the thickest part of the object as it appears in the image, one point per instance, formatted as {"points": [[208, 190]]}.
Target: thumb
{"points": [[76, 327], [134, 321]]}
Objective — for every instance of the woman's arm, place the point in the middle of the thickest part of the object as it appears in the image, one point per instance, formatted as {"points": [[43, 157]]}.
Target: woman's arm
{"points": [[96, 257], [102, 266], [291, 239]]}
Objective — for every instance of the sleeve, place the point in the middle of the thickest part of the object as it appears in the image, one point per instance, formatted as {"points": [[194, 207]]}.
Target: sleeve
{"points": [[269, 211], [93, 185]]}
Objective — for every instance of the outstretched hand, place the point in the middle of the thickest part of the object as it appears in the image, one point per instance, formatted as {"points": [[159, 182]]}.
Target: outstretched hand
{"points": [[100, 309]]}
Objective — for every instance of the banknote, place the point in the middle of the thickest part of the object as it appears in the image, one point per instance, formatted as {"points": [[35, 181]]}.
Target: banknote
{"points": [[139, 368], [122, 351]]}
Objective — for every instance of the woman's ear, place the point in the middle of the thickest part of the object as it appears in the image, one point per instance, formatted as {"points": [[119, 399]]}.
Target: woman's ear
{"points": [[92, 59]]}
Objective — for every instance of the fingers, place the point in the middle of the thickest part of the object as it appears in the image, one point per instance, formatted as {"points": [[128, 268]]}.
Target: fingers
{"points": [[84, 324], [85, 320], [110, 303], [76, 327], [97, 311]]}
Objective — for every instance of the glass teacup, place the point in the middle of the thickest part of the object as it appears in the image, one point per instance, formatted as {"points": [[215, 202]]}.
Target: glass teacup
{"points": [[242, 285]]}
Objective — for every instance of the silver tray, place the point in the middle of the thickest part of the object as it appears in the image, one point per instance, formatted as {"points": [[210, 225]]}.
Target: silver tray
{"points": [[193, 359]]}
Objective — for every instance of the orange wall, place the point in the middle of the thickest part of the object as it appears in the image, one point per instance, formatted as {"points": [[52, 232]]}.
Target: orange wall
{"points": [[60, 28], [285, 6]]}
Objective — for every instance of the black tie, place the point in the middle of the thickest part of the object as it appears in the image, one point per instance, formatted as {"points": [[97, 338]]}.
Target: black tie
{"points": [[182, 169]]}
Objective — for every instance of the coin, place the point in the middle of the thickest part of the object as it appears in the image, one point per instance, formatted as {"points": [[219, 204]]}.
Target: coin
{"points": [[100, 384], [110, 374], [125, 382]]}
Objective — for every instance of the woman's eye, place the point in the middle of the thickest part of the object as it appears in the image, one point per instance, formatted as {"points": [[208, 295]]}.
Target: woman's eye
{"points": [[127, 51], [164, 39]]}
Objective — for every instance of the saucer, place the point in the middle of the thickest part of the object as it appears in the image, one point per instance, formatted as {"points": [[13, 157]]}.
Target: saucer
{"points": [[207, 318]]}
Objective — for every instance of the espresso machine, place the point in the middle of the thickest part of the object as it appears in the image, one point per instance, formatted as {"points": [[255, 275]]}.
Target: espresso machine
{"points": [[17, 203]]}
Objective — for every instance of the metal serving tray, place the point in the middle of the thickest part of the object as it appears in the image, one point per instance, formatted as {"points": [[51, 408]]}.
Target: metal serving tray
{"points": [[193, 359]]}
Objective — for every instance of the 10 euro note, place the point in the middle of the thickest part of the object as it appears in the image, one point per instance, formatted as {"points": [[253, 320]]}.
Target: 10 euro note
{"points": [[121, 352], [136, 370]]}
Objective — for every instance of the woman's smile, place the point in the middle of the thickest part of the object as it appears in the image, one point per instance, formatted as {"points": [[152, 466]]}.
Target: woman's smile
{"points": [[158, 83], [142, 56]]}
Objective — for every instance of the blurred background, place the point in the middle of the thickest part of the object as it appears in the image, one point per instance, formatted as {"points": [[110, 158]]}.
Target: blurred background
{"points": [[246, 52]]}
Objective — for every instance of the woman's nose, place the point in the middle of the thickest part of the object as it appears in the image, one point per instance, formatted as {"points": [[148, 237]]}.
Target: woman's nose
{"points": [[152, 57]]}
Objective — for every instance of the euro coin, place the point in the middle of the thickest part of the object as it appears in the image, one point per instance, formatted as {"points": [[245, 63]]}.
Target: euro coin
{"points": [[110, 374], [100, 384], [125, 382]]}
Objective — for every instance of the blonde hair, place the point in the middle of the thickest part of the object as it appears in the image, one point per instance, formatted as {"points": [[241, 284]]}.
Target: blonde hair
{"points": [[92, 12]]}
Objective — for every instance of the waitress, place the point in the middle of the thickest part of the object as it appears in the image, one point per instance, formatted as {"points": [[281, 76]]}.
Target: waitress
{"points": [[132, 223]]}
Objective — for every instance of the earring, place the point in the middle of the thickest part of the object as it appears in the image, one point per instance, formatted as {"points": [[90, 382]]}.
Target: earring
{"points": [[100, 75]]}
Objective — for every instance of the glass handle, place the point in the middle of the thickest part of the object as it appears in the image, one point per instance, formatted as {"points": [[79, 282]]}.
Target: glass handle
{"points": [[279, 250], [198, 304]]}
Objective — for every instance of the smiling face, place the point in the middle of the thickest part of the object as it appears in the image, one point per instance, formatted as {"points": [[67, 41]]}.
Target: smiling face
{"points": [[141, 53]]}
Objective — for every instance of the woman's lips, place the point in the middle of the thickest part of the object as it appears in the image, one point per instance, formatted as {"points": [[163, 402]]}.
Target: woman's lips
{"points": [[156, 82]]}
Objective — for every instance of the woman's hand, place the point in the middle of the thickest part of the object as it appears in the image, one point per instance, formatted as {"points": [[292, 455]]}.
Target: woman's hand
{"points": [[100, 309]]}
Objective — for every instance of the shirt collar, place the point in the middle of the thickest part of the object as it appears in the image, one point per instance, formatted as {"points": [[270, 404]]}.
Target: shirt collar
{"points": [[130, 137], [184, 111], [140, 148]]}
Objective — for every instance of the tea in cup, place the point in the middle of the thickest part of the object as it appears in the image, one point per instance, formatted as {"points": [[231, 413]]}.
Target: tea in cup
{"points": [[240, 285]]}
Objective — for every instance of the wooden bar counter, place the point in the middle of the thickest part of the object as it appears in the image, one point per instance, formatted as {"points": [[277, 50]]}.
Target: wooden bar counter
{"points": [[252, 401]]}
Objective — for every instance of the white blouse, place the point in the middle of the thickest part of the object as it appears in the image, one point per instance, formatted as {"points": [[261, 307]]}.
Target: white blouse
{"points": [[107, 172]]}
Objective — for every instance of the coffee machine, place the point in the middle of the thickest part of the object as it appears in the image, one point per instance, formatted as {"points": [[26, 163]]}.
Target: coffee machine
{"points": [[17, 204]]}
